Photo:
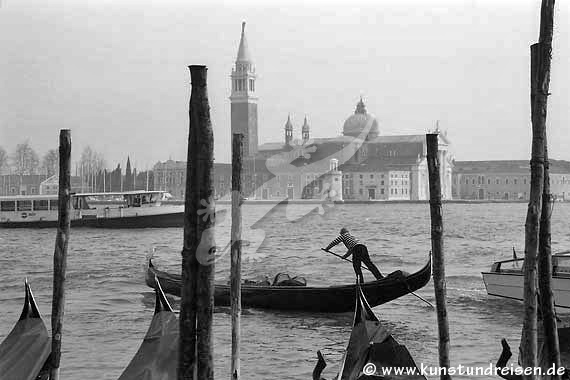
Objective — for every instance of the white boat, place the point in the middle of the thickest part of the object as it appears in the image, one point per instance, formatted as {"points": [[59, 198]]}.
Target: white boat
{"points": [[505, 279], [131, 209]]}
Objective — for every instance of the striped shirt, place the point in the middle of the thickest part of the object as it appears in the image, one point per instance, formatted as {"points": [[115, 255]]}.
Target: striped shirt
{"points": [[346, 238]]}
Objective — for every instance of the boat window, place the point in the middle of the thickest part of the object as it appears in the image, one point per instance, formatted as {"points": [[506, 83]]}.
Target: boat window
{"points": [[24, 205], [8, 206], [53, 204], [41, 204]]}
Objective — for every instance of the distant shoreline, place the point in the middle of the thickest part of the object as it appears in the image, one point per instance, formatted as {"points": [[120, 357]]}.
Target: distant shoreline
{"points": [[351, 201]]}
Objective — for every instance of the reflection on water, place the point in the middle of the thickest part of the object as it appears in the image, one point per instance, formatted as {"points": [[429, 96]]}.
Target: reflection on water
{"points": [[109, 307]]}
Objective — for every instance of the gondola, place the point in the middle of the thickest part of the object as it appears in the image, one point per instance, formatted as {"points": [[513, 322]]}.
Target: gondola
{"points": [[331, 299], [371, 350], [508, 373], [25, 351], [157, 357]]}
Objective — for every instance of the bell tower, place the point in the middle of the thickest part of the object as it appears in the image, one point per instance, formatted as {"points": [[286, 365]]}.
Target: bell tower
{"points": [[288, 131], [305, 131], [243, 98]]}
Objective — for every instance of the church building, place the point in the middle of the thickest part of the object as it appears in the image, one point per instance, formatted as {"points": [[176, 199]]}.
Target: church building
{"points": [[360, 164]]}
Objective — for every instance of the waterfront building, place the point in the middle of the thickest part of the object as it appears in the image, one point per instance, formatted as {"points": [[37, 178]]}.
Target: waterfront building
{"points": [[372, 166], [15, 184], [170, 176], [50, 186], [505, 180], [360, 164]]}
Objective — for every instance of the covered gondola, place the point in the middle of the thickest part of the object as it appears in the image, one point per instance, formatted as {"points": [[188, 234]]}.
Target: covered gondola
{"points": [[157, 357], [372, 352], [25, 351], [337, 298]]}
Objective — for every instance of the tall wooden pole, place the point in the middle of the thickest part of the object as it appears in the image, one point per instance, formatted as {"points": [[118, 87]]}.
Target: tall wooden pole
{"points": [[235, 287], [540, 82], [197, 303], [541, 55], [437, 251], [550, 329], [60, 252]]}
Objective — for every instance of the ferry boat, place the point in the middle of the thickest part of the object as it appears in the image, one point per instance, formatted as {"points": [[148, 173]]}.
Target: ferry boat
{"points": [[506, 279], [132, 209]]}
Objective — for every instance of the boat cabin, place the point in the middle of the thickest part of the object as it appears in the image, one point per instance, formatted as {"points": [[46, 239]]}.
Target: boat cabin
{"points": [[25, 203], [141, 198], [560, 265]]}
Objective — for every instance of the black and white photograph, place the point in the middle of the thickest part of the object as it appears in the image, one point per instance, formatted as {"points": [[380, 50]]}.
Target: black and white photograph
{"points": [[300, 190]]}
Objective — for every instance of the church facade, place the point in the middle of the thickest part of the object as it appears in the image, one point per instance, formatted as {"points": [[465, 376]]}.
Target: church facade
{"points": [[361, 164]]}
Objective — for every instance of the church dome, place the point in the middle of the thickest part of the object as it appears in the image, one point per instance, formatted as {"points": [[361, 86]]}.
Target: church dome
{"points": [[355, 124]]}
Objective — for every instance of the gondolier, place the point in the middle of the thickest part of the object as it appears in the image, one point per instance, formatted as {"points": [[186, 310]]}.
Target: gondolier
{"points": [[358, 251]]}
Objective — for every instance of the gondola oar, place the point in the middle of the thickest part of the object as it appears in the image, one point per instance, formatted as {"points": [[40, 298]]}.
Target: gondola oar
{"points": [[350, 261]]}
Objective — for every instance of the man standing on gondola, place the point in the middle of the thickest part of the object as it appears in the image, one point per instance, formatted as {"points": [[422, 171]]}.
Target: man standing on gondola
{"points": [[359, 254]]}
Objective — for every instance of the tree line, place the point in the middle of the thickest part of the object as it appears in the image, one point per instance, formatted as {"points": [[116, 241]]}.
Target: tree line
{"points": [[25, 161], [91, 169]]}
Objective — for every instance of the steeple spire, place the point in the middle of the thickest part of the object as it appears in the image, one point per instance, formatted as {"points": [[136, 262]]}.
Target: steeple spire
{"points": [[305, 130], [288, 131], [243, 51]]}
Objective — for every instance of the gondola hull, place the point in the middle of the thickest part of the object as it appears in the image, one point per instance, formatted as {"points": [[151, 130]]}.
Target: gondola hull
{"points": [[24, 352], [331, 299]]}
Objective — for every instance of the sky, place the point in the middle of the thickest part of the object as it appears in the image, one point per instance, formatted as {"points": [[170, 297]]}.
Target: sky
{"points": [[116, 72]]}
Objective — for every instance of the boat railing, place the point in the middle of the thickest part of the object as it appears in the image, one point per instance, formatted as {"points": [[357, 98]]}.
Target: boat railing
{"points": [[515, 268], [561, 265]]}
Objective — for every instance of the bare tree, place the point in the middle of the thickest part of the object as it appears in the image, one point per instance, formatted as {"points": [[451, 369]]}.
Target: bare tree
{"points": [[91, 163], [25, 159], [50, 162], [3, 159]]}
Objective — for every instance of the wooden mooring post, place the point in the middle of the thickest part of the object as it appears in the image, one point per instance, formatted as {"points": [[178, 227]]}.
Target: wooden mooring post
{"points": [[235, 286], [437, 252], [541, 55], [60, 252], [198, 255]]}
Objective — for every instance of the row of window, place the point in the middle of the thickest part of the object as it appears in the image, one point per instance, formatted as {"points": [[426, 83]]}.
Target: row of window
{"points": [[244, 67], [480, 181], [241, 84], [392, 183], [392, 175], [13, 191], [171, 178], [29, 205], [382, 191]]}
